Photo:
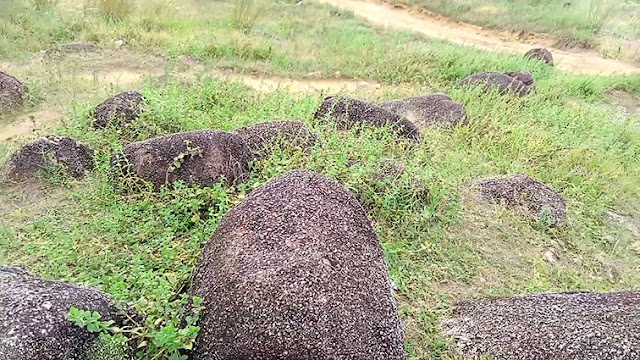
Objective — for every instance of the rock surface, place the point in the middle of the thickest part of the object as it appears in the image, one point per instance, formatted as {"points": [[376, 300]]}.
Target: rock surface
{"points": [[122, 108], [34, 321], [296, 272], [196, 157], [429, 110], [260, 138], [11, 93], [76, 159], [504, 83], [349, 112], [71, 48], [572, 326], [535, 199], [541, 54]]}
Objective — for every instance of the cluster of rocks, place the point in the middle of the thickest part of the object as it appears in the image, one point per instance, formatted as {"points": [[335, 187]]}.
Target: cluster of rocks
{"points": [[35, 325]]}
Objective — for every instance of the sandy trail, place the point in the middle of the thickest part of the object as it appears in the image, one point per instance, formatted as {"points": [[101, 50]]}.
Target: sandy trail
{"points": [[578, 60]]}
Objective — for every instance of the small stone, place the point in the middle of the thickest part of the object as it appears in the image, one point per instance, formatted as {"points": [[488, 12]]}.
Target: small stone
{"points": [[550, 256], [635, 247]]}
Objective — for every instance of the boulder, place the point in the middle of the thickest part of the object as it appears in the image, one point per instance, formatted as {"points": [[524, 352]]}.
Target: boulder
{"points": [[541, 54], [11, 93], [429, 110], [120, 109], [504, 83], [585, 326], [348, 112], [34, 323], [197, 158], [296, 271], [260, 138], [535, 199], [71, 48], [76, 159], [522, 76]]}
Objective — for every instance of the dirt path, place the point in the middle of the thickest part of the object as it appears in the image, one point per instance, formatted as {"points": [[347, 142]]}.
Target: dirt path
{"points": [[578, 60]]}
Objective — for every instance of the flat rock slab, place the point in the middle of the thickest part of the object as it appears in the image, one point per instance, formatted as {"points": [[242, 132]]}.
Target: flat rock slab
{"points": [[296, 271], [119, 109], [348, 112], [197, 158], [519, 82], [519, 192], [76, 159], [429, 110], [12, 92], [262, 137], [34, 321], [570, 326], [71, 48]]}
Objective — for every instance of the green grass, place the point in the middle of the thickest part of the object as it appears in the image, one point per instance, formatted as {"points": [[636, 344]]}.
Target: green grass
{"points": [[142, 247]]}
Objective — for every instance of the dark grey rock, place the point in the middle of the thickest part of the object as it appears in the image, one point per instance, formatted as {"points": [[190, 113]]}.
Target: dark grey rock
{"points": [[196, 157], [260, 138], [76, 159], [535, 199], [120, 109], [347, 112], [12, 93], [34, 321], [429, 110], [541, 54], [504, 83], [296, 271], [570, 326]]}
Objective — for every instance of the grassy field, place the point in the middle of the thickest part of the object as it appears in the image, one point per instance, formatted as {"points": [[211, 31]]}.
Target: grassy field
{"points": [[610, 25], [141, 247]]}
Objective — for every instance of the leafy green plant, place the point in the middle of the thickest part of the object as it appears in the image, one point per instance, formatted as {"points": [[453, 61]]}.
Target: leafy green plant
{"points": [[89, 319]]}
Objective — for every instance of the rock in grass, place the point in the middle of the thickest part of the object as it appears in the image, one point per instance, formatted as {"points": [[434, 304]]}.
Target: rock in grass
{"points": [[120, 109], [11, 93], [347, 112], [260, 138], [296, 271], [535, 199], [584, 326], [504, 83], [429, 110], [198, 158], [541, 54], [34, 322], [71, 48], [44, 154]]}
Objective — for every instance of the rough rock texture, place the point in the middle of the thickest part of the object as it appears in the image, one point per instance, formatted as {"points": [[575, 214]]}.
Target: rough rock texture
{"points": [[540, 54], [537, 200], [122, 108], [503, 82], [197, 158], [261, 137], [429, 110], [34, 323], [522, 76], [71, 48], [11, 92], [51, 150], [570, 326], [296, 272], [348, 112]]}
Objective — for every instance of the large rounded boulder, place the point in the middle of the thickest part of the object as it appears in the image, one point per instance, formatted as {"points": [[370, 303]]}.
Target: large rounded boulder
{"points": [[577, 326], [11, 93], [120, 109], [296, 271], [540, 54], [429, 110], [197, 158], [47, 152], [519, 82], [519, 192], [262, 137], [348, 112], [35, 325]]}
